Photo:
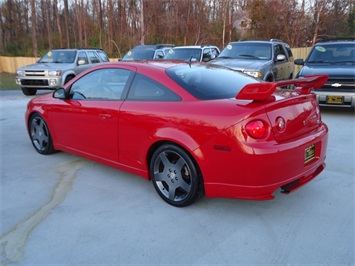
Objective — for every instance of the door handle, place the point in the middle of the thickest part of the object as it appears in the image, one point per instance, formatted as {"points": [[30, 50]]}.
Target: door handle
{"points": [[105, 116]]}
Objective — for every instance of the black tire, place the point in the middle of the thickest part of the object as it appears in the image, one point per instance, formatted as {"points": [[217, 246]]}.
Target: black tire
{"points": [[29, 91], [175, 176], [40, 135]]}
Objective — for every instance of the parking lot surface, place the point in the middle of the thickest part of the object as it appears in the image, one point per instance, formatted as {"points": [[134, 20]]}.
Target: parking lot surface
{"points": [[65, 210]]}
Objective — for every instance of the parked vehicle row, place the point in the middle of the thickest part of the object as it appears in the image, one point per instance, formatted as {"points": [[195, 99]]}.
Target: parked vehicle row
{"points": [[269, 60]]}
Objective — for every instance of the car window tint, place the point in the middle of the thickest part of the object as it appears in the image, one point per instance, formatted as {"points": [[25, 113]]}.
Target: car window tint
{"points": [[146, 89], [102, 84], [207, 82], [93, 57]]}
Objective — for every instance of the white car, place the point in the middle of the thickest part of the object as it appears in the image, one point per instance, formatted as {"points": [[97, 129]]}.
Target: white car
{"points": [[201, 53]]}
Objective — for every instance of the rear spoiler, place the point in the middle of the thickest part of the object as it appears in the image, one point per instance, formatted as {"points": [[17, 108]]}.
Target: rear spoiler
{"points": [[262, 91]]}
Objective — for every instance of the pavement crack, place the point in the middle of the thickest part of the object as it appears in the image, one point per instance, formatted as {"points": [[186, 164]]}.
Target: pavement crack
{"points": [[14, 240]]}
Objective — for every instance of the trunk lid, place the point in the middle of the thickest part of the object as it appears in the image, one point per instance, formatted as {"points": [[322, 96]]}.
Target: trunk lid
{"points": [[293, 116]]}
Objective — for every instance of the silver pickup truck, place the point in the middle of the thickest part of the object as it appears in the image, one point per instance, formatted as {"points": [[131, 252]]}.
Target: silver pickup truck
{"points": [[56, 68]]}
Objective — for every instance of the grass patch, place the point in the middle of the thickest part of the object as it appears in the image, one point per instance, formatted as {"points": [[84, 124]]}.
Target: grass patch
{"points": [[7, 82]]}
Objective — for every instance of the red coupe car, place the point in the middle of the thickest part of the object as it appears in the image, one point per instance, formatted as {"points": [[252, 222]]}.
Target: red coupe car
{"points": [[191, 128]]}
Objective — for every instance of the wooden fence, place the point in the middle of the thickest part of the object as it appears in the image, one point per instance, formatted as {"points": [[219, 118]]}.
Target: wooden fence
{"points": [[10, 64]]}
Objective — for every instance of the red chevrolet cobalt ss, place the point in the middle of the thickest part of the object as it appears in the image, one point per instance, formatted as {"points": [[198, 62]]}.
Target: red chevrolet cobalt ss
{"points": [[191, 128]]}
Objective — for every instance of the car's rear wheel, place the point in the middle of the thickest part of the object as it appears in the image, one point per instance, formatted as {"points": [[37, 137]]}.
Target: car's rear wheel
{"points": [[40, 135], [28, 91], [175, 176]]}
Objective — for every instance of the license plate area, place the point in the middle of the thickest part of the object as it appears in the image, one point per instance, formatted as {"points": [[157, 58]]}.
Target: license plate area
{"points": [[309, 153], [335, 99]]}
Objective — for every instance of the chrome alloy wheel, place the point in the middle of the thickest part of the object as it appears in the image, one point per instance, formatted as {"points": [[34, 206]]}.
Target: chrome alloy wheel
{"points": [[40, 136], [174, 176]]}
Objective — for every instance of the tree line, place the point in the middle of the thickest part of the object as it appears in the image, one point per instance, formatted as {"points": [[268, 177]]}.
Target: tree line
{"points": [[30, 28]]}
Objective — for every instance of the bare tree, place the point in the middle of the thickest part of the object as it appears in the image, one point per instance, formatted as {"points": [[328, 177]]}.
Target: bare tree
{"points": [[66, 15], [55, 5], [34, 29]]}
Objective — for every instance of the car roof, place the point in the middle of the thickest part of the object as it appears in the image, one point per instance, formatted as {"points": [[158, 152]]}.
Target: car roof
{"points": [[76, 49], [260, 41], [192, 46], [334, 42], [157, 64], [152, 46]]}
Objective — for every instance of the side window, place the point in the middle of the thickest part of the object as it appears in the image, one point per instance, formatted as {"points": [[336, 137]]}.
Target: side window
{"points": [[215, 53], [93, 57], [82, 58], [103, 56], [102, 84], [159, 54], [289, 51], [206, 55], [279, 51], [146, 89]]}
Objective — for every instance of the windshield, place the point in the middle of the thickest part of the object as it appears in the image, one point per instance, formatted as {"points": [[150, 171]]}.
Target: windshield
{"points": [[142, 54], [209, 82], [247, 50], [61, 56], [184, 54], [334, 53]]}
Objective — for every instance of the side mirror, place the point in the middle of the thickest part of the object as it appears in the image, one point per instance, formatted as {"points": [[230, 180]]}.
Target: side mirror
{"points": [[81, 62], [206, 58], [280, 57], [60, 94], [299, 61]]}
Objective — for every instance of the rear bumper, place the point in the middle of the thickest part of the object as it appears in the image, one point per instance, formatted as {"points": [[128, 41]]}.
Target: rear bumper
{"points": [[261, 192], [256, 173]]}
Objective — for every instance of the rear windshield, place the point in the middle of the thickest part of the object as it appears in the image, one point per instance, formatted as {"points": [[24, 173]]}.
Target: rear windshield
{"points": [[208, 82]]}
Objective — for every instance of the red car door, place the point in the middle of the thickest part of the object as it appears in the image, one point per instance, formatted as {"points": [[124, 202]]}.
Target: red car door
{"points": [[87, 123]]}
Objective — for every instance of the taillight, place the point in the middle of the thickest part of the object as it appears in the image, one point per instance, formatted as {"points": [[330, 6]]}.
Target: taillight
{"points": [[256, 129]]}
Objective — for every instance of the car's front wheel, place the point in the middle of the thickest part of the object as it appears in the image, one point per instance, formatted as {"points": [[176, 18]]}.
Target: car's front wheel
{"points": [[40, 135], [29, 91], [175, 176]]}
